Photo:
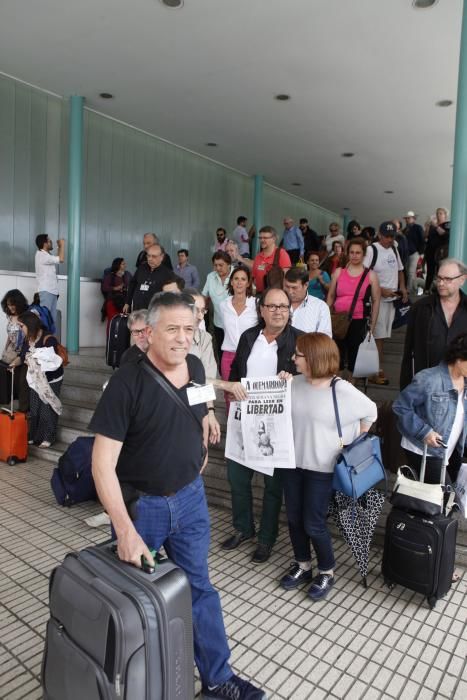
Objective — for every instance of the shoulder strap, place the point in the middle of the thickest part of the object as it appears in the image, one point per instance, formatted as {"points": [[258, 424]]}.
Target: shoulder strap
{"points": [[163, 383], [336, 409], [275, 262], [375, 256], [357, 291]]}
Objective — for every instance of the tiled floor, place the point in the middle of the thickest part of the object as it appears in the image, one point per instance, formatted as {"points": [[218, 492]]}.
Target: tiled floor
{"points": [[370, 644]]}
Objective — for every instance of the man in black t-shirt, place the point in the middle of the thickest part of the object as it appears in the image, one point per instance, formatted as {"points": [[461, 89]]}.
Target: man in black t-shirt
{"points": [[147, 440], [147, 280]]}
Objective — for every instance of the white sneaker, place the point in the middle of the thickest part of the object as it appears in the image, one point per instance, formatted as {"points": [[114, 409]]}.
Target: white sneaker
{"points": [[98, 520]]}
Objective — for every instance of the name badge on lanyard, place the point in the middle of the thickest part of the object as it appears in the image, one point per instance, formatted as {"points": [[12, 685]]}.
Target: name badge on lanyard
{"points": [[144, 287], [200, 393]]}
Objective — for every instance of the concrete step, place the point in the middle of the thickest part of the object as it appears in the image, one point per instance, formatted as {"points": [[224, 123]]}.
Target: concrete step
{"points": [[51, 454], [85, 376], [67, 433], [90, 362], [80, 393], [76, 411]]}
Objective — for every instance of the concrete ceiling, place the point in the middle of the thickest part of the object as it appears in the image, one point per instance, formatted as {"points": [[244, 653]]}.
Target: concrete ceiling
{"points": [[363, 76]]}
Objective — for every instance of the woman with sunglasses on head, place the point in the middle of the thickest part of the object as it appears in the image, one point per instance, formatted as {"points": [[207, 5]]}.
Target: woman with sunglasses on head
{"points": [[308, 488], [432, 411], [238, 313], [45, 376]]}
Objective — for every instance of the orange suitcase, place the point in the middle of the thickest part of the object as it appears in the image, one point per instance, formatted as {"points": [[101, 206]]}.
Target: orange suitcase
{"points": [[13, 434]]}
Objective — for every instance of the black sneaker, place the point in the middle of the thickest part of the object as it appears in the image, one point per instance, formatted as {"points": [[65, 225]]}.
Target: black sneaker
{"points": [[261, 553], [235, 540], [295, 577], [321, 586], [234, 689]]}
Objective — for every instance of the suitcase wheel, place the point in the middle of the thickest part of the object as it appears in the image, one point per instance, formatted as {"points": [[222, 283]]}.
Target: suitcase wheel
{"points": [[431, 602], [11, 461], [389, 584]]}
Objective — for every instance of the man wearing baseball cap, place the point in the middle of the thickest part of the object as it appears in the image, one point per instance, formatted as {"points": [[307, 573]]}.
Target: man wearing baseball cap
{"points": [[384, 259], [416, 242]]}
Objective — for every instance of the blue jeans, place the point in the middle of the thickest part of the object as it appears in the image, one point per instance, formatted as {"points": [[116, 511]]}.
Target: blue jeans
{"points": [[307, 495], [50, 301], [181, 523]]}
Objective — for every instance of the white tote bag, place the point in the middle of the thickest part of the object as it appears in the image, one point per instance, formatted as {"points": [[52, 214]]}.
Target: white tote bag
{"points": [[367, 362], [461, 490]]}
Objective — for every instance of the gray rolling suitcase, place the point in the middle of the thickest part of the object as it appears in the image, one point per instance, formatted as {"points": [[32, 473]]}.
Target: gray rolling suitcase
{"points": [[116, 631]]}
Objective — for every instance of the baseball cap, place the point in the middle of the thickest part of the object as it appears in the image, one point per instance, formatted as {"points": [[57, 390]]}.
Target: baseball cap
{"points": [[387, 228], [409, 215]]}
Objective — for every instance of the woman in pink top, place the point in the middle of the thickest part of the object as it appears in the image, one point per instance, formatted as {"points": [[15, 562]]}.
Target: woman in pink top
{"points": [[342, 290]]}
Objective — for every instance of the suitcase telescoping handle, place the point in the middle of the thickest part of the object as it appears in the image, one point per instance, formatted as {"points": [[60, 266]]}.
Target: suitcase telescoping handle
{"points": [[12, 388], [423, 465]]}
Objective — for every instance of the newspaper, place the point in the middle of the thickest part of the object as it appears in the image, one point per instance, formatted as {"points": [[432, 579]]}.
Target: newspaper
{"points": [[259, 430]]}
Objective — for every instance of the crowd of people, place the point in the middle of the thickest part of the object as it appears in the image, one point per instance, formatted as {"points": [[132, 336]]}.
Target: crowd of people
{"points": [[260, 315]]}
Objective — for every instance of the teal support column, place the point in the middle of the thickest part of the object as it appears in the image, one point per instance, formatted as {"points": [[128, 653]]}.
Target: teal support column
{"points": [[75, 174], [457, 237], [345, 221], [257, 211]]}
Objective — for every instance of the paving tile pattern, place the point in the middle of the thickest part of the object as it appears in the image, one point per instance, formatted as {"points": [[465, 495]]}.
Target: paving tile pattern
{"points": [[359, 643]]}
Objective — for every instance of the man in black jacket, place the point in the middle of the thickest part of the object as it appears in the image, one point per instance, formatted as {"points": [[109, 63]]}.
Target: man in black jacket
{"points": [[435, 320], [150, 239], [147, 280], [264, 350]]}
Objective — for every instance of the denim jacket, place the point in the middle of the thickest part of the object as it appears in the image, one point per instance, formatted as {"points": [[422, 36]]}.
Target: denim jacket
{"points": [[430, 403]]}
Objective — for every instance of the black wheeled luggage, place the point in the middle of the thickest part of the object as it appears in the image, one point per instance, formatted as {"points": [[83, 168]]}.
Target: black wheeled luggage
{"points": [[118, 340], [419, 551], [116, 631]]}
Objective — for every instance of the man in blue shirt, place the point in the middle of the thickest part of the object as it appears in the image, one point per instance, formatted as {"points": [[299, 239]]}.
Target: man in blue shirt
{"points": [[292, 241], [185, 270]]}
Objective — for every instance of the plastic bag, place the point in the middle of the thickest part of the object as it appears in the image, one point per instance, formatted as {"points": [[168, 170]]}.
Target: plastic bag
{"points": [[367, 362]]}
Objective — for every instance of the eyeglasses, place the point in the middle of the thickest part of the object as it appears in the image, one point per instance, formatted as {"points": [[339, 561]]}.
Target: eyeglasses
{"points": [[447, 280], [265, 238], [137, 331], [201, 311], [298, 354], [277, 307]]}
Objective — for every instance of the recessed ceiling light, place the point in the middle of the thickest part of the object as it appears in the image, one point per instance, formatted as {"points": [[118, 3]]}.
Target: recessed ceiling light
{"points": [[444, 103], [296, 184], [282, 97], [423, 4], [347, 155], [211, 144], [388, 191], [173, 4], [106, 95]]}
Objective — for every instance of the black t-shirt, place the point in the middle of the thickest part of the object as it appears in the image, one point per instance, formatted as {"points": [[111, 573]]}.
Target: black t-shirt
{"points": [[162, 447], [152, 282]]}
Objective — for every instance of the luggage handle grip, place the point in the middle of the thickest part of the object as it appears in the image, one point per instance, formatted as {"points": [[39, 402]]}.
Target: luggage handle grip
{"points": [[145, 565]]}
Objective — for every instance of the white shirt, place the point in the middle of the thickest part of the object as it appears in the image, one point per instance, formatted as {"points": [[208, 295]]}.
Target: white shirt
{"points": [[329, 241], [312, 316], [240, 236], [46, 271], [388, 265], [315, 433], [235, 324], [262, 361]]}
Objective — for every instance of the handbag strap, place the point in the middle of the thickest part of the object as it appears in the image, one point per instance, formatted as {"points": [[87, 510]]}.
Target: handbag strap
{"points": [[163, 383], [357, 292], [275, 262], [336, 410]]}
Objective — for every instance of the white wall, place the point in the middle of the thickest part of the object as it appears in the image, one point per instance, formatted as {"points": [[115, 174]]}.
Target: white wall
{"points": [[91, 330]]}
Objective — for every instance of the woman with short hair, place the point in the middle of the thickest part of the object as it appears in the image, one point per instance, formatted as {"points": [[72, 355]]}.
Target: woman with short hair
{"points": [[308, 488]]}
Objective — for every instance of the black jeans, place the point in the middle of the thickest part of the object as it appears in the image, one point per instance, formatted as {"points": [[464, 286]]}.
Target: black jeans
{"points": [[434, 466], [307, 495], [219, 337], [294, 255]]}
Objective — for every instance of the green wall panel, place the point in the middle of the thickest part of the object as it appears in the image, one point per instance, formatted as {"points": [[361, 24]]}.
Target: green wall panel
{"points": [[133, 183]]}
